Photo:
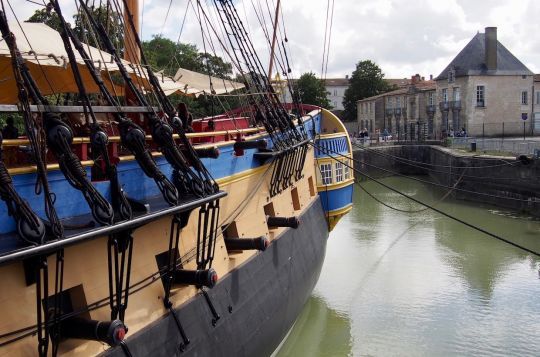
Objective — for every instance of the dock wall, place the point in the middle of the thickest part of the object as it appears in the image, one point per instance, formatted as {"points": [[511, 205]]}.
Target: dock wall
{"points": [[506, 181]]}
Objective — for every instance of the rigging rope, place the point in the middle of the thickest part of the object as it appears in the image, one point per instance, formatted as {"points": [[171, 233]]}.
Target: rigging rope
{"points": [[34, 131], [434, 183], [470, 225]]}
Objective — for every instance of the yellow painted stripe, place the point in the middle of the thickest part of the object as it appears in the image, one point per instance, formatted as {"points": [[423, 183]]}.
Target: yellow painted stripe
{"points": [[335, 186], [326, 160], [332, 136], [51, 167], [340, 211], [116, 139], [227, 180]]}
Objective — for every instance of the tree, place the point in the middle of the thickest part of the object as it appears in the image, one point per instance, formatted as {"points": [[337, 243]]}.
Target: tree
{"points": [[47, 17], [366, 81], [311, 90], [215, 66], [164, 54], [111, 20]]}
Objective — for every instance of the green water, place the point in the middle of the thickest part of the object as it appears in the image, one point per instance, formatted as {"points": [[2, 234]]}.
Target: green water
{"points": [[420, 284]]}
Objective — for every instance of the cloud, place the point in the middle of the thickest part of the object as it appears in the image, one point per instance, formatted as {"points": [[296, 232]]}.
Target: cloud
{"points": [[403, 37]]}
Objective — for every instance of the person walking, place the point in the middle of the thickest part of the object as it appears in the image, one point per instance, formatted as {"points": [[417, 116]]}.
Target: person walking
{"points": [[10, 131]]}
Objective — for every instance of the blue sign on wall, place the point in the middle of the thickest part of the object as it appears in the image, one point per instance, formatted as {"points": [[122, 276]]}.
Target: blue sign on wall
{"points": [[523, 116]]}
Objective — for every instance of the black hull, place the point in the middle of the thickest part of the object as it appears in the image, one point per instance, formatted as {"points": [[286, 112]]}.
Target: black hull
{"points": [[257, 303]]}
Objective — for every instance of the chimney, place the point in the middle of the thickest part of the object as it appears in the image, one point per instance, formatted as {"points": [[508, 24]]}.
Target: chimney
{"points": [[491, 48], [346, 76], [431, 77]]}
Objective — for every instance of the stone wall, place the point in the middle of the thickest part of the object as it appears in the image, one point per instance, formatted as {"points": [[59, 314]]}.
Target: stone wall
{"points": [[506, 177]]}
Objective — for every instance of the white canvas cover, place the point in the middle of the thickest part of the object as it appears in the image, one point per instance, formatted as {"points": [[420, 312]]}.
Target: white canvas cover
{"points": [[199, 83], [43, 50]]}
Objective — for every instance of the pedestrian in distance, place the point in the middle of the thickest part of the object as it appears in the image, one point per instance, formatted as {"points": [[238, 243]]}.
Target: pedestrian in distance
{"points": [[10, 131]]}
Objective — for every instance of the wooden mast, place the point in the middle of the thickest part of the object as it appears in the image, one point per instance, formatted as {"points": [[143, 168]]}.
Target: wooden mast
{"points": [[131, 52], [273, 42]]}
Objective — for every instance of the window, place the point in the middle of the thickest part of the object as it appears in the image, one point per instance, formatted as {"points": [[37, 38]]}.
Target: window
{"points": [[326, 174], [537, 97], [431, 98], [524, 96], [480, 96], [398, 102], [445, 95], [339, 172], [347, 171], [370, 107], [335, 92], [451, 76], [335, 104], [457, 94]]}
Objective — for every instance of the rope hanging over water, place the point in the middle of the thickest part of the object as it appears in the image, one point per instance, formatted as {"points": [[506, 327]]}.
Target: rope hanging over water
{"points": [[470, 225]]}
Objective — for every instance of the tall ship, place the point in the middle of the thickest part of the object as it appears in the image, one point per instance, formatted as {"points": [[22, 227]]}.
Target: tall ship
{"points": [[128, 228]]}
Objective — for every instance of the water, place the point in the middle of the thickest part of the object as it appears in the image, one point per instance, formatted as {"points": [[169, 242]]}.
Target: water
{"points": [[420, 284]]}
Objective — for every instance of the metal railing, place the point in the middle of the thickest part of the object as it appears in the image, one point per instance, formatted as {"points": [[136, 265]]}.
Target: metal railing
{"points": [[514, 137], [444, 106], [521, 128], [456, 104]]}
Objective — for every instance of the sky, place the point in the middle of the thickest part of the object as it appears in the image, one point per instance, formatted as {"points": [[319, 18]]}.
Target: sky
{"points": [[403, 37]]}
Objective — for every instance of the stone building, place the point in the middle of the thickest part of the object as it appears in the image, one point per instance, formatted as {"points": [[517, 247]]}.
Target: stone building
{"points": [[403, 111], [536, 105], [485, 89], [335, 91]]}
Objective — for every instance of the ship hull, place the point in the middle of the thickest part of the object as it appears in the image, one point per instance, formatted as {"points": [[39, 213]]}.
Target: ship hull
{"points": [[257, 302]]}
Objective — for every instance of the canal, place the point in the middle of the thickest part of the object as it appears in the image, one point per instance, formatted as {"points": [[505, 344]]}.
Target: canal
{"points": [[420, 284]]}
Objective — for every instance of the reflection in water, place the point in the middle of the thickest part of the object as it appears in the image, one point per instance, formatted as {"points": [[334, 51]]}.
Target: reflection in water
{"points": [[422, 284], [319, 331]]}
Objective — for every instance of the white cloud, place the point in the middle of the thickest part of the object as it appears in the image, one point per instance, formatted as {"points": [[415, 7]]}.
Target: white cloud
{"points": [[403, 37]]}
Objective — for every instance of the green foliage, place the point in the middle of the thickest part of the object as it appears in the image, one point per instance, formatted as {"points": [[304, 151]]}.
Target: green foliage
{"points": [[167, 56], [164, 54], [17, 121], [49, 18], [312, 90], [366, 81], [215, 66], [111, 21]]}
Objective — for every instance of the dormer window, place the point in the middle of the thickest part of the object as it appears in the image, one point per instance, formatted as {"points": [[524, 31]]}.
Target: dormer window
{"points": [[451, 76]]}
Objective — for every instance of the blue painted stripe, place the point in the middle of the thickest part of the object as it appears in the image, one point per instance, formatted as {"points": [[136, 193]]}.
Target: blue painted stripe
{"points": [[70, 202], [328, 147], [337, 199]]}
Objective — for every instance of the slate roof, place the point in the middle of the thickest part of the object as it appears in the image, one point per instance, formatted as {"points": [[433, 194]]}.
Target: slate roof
{"points": [[471, 61], [422, 86], [336, 82], [398, 82]]}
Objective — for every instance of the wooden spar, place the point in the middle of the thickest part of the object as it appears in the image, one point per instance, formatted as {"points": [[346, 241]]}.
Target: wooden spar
{"points": [[273, 41], [131, 53]]}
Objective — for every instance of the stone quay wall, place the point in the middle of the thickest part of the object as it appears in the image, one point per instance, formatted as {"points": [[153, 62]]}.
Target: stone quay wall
{"points": [[516, 182]]}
